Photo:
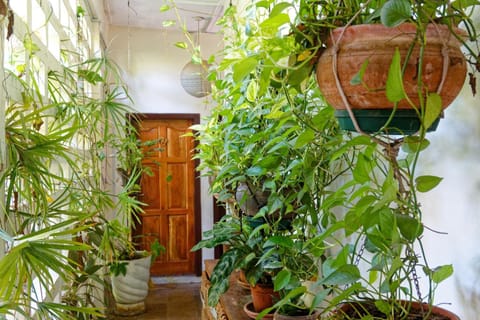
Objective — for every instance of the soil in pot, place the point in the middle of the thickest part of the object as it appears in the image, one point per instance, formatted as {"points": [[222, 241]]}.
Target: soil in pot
{"points": [[358, 310], [299, 316]]}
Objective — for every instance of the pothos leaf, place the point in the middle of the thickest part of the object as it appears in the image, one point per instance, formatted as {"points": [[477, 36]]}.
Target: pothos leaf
{"points": [[394, 89], [395, 12], [282, 279], [441, 273], [433, 109], [164, 8], [358, 77], [427, 183], [181, 45], [242, 68]]}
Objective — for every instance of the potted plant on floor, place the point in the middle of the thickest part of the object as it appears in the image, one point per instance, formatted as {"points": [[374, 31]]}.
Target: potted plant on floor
{"points": [[247, 246], [129, 268], [56, 139]]}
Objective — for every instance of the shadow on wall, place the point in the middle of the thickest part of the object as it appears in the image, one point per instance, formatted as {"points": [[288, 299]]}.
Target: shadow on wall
{"points": [[453, 207], [469, 294]]}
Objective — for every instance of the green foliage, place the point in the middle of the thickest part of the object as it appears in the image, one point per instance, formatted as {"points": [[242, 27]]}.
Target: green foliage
{"points": [[344, 202], [394, 90], [395, 12], [54, 184]]}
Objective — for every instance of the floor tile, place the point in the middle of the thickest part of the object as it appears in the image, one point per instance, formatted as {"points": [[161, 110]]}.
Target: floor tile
{"points": [[171, 301]]}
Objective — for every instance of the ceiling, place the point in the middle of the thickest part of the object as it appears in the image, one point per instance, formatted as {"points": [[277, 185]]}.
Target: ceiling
{"points": [[200, 14]]}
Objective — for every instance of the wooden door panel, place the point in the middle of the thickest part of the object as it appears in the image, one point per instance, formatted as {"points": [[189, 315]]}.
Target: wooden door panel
{"points": [[151, 231], [178, 145], [178, 240], [150, 183], [169, 195], [177, 193]]}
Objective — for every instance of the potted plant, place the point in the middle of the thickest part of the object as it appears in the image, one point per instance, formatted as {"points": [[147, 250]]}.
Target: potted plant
{"points": [[270, 148], [247, 246], [56, 137], [353, 64], [423, 35], [274, 47], [383, 225], [129, 269], [310, 36]]}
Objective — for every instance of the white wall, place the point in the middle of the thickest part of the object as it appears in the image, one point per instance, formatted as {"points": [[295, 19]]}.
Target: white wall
{"points": [[454, 206], [152, 66]]}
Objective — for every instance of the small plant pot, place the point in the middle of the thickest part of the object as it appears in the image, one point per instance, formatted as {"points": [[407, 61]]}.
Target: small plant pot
{"points": [[358, 310], [242, 280], [252, 314], [263, 296]]}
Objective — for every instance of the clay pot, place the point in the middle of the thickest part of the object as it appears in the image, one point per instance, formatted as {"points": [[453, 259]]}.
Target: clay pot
{"points": [[263, 296], [348, 308], [377, 43], [252, 314], [242, 280]]}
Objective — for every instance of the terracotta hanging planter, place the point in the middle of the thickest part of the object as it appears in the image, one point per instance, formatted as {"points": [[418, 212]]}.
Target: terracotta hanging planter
{"points": [[358, 310], [444, 67]]}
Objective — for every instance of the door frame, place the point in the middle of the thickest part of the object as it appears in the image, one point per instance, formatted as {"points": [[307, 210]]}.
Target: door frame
{"points": [[195, 118]]}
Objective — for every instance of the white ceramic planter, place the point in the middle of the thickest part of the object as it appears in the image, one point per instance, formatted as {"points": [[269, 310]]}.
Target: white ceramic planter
{"points": [[131, 289]]}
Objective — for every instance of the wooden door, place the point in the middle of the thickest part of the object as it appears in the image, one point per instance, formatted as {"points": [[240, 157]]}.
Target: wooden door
{"points": [[171, 194]]}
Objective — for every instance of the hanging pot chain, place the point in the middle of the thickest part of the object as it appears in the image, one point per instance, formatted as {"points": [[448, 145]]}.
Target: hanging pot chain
{"points": [[360, 253], [414, 259]]}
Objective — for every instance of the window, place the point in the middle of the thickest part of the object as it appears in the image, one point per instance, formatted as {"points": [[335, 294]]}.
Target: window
{"points": [[47, 151]]}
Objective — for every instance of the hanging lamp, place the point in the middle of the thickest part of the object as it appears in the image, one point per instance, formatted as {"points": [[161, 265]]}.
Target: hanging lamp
{"points": [[193, 76]]}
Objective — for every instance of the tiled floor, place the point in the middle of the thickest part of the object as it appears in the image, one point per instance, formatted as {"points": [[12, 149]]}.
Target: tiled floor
{"points": [[171, 301]]}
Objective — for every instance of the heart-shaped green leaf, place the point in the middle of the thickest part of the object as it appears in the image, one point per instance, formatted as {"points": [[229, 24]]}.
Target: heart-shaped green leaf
{"points": [[395, 12]]}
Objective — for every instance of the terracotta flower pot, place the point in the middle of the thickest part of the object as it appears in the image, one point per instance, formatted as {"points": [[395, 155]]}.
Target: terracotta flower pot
{"points": [[252, 314], [377, 43], [263, 296], [242, 280], [354, 309]]}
